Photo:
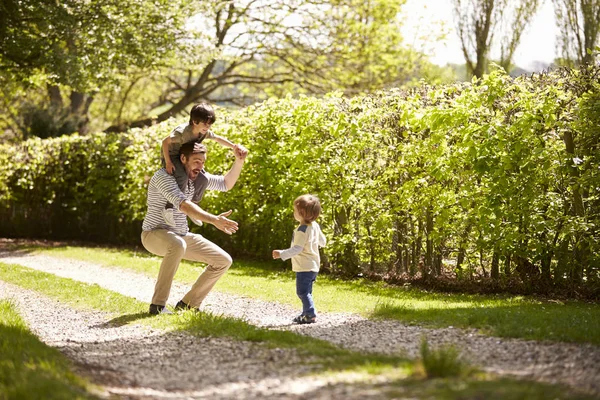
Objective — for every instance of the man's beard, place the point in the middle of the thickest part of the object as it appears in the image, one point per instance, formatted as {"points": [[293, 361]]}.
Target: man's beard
{"points": [[193, 174]]}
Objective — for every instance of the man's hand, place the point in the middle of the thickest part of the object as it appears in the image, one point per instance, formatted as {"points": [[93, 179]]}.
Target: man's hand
{"points": [[224, 224], [276, 254], [240, 151]]}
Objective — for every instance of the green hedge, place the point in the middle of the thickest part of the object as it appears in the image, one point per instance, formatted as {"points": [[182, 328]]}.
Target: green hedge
{"points": [[496, 177]]}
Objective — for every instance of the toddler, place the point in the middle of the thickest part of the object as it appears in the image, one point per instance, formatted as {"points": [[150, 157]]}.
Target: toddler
{"points": [[304, 253]]}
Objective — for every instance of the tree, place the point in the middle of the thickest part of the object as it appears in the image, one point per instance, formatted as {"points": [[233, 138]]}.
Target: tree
{"points": [[479, 21], [312, 46], [71, 49], [523, 13], [579, 24]]}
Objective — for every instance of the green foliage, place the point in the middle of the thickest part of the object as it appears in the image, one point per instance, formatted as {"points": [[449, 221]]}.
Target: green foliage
{"points": [[497, 177], [84, 44]]}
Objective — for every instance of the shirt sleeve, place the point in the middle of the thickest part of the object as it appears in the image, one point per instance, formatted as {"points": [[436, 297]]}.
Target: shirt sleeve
{"points": [[215, 182], [291, 252], [176, 135], [210, 135], [300, 238], [167, 186], [322, 238]]}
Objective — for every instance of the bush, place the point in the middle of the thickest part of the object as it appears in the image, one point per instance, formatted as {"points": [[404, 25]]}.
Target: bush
{"points": [[490, 179]]}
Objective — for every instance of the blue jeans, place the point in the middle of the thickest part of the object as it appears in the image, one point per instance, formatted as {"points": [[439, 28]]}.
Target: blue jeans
{"points": [[304, 285]]}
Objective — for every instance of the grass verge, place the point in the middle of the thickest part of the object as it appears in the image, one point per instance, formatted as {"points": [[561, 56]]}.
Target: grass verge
{"points": [[503, 316], [31, 370]]}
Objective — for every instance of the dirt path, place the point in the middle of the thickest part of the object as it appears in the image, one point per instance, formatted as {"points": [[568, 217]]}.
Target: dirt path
{"points": [[269, 374]]}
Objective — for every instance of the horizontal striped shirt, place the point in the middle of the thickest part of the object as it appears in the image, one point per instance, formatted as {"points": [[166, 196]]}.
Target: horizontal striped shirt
{"points": [[163, 189]]}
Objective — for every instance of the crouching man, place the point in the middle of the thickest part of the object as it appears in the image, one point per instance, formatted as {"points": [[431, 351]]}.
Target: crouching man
{"points": [[174, 242]]}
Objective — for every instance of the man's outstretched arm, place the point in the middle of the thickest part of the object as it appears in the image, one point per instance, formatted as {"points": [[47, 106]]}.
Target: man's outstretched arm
{"points": [[221, 222], [232, 176]]}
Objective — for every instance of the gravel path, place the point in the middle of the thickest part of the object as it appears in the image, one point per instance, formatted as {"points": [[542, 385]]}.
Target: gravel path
{"points": [[269, 372], [137, 362]]}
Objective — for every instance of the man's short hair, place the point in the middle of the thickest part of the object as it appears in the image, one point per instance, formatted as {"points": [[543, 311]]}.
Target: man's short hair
{"points": [[192, 147], [202, 112]]}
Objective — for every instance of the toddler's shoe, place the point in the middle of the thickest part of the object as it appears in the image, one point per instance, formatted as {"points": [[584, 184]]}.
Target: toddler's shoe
{"points": [[305, 319]]}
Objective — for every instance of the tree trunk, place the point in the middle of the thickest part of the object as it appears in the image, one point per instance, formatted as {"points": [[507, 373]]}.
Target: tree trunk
{"points": [[438, 260], [495, 270], [56, 101], [398, 245], [580, 247], [347, 261], [507, 262], [428, 264], [371, 249], [462, 247]]}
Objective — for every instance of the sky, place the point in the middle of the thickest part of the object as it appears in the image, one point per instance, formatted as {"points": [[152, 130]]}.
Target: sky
{"points": [[538, 42]]}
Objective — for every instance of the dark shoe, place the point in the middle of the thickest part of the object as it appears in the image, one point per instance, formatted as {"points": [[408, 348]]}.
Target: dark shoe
{"points": [[305, 319], [156, 309], [181, 306]]}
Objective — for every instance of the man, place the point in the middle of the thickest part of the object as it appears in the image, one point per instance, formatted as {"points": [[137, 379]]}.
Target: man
{"points": [[175, 243]]}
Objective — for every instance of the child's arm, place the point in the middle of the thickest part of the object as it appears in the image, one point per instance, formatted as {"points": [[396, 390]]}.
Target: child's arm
{"points": [[223, 141], [297, 245], [287, 253], [165, 149]]}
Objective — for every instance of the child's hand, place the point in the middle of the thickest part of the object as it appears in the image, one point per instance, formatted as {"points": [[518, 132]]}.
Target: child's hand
{"points": [[276, 254], [169, 167], [240, 151]]}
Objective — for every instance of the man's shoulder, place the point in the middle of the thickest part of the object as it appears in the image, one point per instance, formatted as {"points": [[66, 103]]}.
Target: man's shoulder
{"points": [[160, 176]]}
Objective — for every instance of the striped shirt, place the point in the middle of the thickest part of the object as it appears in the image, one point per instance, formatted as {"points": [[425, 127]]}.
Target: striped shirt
{"points": [[163, 189]]}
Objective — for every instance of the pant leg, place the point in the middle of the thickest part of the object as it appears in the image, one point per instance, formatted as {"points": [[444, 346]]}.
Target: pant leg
{"points": [[179, 174], [304, 285], [171, 247], [203, 250]]}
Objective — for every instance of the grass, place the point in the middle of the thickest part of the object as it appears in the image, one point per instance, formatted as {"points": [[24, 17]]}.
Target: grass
{"points": [[31, 370], [443, 362], [497, 389], [326, 357], [502, 316]]}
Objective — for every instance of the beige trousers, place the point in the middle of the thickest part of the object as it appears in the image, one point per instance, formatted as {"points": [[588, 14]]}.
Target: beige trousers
{"points": [[173, 248]]}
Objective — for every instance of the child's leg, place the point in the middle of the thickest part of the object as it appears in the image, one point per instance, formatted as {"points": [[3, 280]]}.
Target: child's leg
{"points": [[181, 178], [180, 174], [304, 284]]}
